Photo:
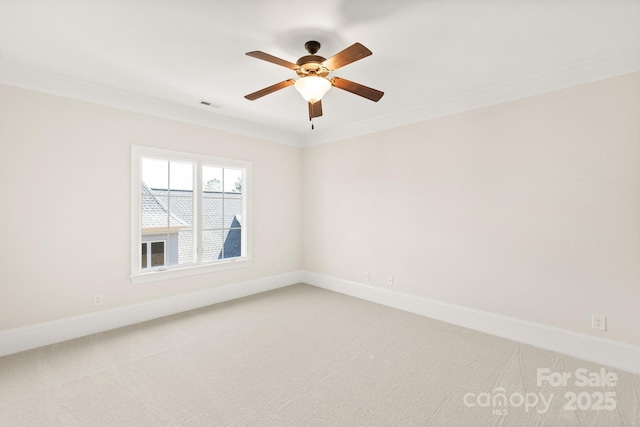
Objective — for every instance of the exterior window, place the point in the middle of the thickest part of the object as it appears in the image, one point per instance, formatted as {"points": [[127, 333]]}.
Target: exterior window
{"points": [[154, 257], [190, 214]]}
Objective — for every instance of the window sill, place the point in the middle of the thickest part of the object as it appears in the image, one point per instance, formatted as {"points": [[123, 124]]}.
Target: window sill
{"points": [[177, 272]]}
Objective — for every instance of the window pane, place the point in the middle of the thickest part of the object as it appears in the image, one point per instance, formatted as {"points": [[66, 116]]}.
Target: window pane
{"points": [[154, 212], [144, 255], [157, 254], [232, 180], [211, 245], [180, 204], [232, 246], [232, 210], [212, 212], [181, 176], [185, 246], [181, 208], [211, 180], [155, 173]]}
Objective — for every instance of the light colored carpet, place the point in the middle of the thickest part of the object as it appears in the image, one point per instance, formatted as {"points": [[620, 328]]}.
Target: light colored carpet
{"points": [[300, 356]]}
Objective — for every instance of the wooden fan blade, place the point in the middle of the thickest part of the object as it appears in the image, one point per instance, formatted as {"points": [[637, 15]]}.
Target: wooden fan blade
{"points": [[267, 90], [274, 60], [357, 88], [315, 109], [351, 54]]}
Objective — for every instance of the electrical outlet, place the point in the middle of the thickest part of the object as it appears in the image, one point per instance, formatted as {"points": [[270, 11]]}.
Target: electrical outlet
{"points": [[97, 299], [366, 276], [599, 322], [390, 280]]}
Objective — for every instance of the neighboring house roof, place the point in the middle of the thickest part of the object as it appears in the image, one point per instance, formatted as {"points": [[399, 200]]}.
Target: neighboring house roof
{"points": [[180, 204], [154, 212], [157, 202], [232, 244]]}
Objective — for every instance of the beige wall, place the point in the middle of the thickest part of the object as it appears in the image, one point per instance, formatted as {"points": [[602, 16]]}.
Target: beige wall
{"points": [[65, 217], [529, 209]]}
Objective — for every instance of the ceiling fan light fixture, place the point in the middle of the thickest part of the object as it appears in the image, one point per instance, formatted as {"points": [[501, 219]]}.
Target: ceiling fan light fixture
{"points": [[312, 88], [312, 71]]}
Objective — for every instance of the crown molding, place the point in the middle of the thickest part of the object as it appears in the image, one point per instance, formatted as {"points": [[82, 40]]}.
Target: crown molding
{"points": [[19, 75], [612, 64], [623, 61]]}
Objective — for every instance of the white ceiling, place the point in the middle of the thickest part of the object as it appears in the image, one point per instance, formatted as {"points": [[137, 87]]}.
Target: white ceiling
{"points": [[430, 57]]}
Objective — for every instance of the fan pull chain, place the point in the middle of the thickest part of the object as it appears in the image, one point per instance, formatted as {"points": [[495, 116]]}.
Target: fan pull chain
{"points": [[312, 126]]}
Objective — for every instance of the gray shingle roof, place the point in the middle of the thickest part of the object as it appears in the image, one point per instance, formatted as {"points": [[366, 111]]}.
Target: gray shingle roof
{"points": [[154, 211], [222, 211], [216, 205]]}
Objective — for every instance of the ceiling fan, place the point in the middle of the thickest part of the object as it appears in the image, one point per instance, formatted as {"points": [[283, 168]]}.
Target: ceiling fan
{"points": [[312, 71]]}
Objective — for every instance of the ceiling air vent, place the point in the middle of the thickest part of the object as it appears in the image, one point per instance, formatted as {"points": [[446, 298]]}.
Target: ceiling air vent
{"points": [[209, 104]]}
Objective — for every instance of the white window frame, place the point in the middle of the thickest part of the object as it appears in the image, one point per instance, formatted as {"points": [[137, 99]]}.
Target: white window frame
{"points": [[139, 275]]}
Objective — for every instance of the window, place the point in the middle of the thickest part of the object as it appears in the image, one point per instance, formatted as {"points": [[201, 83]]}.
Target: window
{"points": [[155, 257], [190, 214]]}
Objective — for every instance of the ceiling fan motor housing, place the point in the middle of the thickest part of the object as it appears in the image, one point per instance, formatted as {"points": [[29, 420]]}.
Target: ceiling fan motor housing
{"points": [[312, 65]]}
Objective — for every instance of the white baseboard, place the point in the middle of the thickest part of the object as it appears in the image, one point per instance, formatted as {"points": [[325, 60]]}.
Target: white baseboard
{"points": [[20, 339], [607, 352]]}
